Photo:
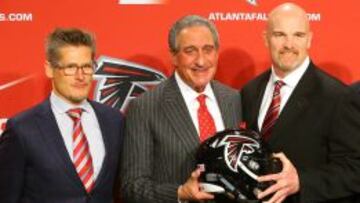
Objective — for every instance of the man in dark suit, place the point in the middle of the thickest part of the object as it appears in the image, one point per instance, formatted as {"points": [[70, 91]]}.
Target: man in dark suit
{"points": [[67, 148], [356, 87], [163, 130], [310, 118]]}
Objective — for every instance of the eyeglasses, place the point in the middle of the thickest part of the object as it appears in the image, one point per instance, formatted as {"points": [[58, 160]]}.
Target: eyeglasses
{"points": [[71, 69]]}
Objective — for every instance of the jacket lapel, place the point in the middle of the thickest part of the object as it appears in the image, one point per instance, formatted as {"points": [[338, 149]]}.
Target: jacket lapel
{"points": [[258, 91], [105, 130], [55, 143], [178, 115], [297, 103], [224, 101]]}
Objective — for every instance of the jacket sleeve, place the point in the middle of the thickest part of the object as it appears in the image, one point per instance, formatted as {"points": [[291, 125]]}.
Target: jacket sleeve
{"points": [[12, 165], [339, 178]]}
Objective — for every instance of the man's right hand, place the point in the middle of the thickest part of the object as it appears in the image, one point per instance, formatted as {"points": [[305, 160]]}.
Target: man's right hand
{"points": [[190, 191]]}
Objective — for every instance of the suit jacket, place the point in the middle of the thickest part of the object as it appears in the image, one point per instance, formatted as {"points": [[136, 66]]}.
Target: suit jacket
{"points": [[35, 166], [161, 141], [319, 131], [356, 87]]}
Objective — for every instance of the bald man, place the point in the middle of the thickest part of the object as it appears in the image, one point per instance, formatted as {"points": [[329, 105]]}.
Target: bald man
{"points": [[309, 118]]}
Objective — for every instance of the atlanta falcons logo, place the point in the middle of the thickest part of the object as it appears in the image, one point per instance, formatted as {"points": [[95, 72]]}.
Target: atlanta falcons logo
{"points": [[252, 2], [235, 147], [119, 81]]}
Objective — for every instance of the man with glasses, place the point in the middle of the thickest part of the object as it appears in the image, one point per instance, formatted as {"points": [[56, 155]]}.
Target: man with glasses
{"points": [[65, 149]]}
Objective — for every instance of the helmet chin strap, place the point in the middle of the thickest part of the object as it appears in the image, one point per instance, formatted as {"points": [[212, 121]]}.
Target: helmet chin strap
{"points": [[226, 187]]}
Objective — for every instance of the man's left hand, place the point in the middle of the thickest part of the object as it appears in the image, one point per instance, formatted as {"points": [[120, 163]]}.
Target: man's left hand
{"points": [[286, 182]]}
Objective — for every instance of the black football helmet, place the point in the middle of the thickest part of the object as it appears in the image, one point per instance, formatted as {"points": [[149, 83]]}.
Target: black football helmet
{"points": [[231, 161]]}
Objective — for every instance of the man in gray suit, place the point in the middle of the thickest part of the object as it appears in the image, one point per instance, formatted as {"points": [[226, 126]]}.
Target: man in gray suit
{"points": [[162, 126]]}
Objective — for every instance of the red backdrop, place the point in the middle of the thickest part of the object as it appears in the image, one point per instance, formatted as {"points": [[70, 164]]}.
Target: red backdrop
{"points": [[138, 33]]}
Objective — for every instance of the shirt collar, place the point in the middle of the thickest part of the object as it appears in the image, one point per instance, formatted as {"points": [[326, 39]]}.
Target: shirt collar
{"points": [[189, 93], [292, 78], [61, 106]]}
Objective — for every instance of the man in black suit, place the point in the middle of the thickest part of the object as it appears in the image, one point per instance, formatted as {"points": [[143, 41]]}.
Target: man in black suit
{"points": [[163, 130], [66, 149], [356, 87], [310, 118]]}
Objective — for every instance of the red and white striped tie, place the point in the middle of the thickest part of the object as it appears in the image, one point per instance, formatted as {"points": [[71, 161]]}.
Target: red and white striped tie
{"points": [[272, 113], [206, 122], [81, 151]]}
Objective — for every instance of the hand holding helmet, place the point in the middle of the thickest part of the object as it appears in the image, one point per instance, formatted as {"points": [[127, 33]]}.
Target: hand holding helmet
{"points": [[232, 161]]}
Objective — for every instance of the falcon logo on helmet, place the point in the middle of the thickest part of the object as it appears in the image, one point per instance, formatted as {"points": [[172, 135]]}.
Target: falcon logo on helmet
{"points": [[237, 147]]}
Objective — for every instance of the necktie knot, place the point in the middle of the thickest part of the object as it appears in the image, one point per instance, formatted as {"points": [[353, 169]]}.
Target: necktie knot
{"points": [[75, 113], [278, 85], [201, 99]]}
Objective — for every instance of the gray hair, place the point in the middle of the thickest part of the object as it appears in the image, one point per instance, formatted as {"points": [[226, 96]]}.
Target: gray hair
{"points": [[189, 21], [62, 37]]}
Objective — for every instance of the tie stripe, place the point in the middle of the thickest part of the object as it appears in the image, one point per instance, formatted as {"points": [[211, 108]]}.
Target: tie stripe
{"points": [[206, 122], [272, 113], [81, 152]]}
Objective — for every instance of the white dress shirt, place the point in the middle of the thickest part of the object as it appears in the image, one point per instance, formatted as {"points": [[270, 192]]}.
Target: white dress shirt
{"points": [[291, 80], [192, 104], [90, 126]]}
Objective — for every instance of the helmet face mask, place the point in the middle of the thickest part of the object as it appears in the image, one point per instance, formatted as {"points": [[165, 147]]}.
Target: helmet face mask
{"points": [[232, 160]]}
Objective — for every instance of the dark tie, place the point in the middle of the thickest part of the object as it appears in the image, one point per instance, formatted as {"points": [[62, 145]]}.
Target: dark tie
{"points": [[272, 113], [206, 122], [81, 152]]}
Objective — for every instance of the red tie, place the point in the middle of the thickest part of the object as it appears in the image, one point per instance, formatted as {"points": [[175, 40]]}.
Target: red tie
{"points": [[206, 122], [81, 152], [272, 113]]}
